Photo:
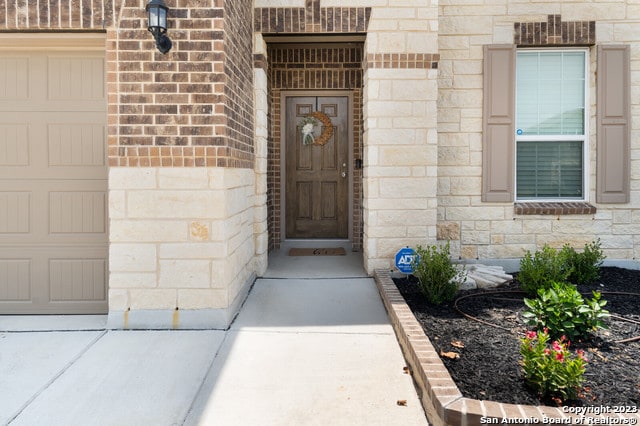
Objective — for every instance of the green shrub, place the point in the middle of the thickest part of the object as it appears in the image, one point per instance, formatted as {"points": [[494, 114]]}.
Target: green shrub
{"points": [[542, 269], [438, 278], [546, 266], [584, 267], [562, 310]]}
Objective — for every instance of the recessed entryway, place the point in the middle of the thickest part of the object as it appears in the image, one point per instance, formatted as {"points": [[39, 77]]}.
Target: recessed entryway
{"points": [[315, 191]]}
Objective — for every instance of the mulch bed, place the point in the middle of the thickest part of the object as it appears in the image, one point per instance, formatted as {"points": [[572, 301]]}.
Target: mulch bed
{"points": [[487, 367]]}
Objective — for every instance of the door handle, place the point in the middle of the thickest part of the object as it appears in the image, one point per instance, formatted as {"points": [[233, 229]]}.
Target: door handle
{"points": [[344, 172]]}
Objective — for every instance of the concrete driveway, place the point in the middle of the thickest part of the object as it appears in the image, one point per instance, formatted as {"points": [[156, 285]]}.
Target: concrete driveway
{"points": [[301, 352]]}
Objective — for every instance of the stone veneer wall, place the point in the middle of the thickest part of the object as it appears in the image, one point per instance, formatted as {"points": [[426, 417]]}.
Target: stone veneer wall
{"points": [[400, 135], [182, 245], [261, 106], [504, 230]]}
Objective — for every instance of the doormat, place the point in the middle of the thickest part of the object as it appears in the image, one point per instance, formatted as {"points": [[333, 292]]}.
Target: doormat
{"points": [[337, 251]]}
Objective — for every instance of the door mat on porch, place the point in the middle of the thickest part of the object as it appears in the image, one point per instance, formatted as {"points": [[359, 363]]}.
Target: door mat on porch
{"points": [[337, 251]]}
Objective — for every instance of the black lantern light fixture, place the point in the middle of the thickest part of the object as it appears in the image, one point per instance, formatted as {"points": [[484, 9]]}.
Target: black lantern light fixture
{"points": [[157, 18]]}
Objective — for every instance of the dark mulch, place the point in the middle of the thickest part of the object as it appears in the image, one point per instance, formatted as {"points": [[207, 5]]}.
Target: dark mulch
{"points": [[488, 365]]}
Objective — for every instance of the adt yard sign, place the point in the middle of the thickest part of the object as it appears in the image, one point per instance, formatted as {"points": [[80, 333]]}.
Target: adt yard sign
{"points": [[404, 260]]}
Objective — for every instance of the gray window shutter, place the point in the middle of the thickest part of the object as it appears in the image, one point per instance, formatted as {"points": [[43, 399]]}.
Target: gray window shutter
{"points": [[498, 133], [613, 117]]}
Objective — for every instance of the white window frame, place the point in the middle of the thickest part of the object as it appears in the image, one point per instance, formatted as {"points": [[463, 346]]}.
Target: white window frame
{"points": [[542, 138]]}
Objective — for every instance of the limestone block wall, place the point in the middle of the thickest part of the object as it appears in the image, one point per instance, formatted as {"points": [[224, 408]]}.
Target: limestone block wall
{"points": [[492, 230], [182, 246], [261, 150], [400, 128]]}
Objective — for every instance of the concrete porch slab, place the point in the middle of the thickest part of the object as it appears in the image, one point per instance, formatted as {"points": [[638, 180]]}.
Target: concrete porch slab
{"points": [[281, 265], [349, 305]]}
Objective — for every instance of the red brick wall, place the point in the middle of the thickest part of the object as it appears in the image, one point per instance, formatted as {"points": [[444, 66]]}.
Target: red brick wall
{"points": [[238, 68], [554, 31], [192, 106], [57, 14]]}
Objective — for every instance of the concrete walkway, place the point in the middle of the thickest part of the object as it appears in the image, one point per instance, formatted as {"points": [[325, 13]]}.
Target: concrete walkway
{"points": [[301, 352]]}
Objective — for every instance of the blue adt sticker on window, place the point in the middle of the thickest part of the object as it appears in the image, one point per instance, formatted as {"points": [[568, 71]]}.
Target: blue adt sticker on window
{"points": [[519, 131]]}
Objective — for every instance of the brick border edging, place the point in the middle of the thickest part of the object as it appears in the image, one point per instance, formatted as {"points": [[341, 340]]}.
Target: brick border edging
{"points": [[440, 397]]}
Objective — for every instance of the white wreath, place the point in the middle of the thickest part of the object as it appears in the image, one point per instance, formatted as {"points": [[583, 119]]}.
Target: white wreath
{"points": [[308, 127]]}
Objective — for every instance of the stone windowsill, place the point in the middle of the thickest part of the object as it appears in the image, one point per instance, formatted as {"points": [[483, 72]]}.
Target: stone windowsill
{"points": [[550, 208]]}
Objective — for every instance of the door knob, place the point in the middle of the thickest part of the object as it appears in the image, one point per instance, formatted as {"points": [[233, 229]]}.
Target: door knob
{"points": [[344, 174]]}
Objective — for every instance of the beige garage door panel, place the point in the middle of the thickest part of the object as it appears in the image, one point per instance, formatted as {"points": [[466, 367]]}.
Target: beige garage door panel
{"points": [[76, 280], [53, 212], [52, 81], [52, 145], [53, 182]]}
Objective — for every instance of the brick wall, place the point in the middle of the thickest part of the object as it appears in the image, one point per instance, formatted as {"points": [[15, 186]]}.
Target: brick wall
{"points": [[238, 89], [325, 67], [313, 18], [192, 106], [57, 15]]}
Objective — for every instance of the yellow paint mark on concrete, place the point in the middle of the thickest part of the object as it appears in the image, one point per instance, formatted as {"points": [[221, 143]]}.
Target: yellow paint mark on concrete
{"points": [[175, 323], [125, 324]]}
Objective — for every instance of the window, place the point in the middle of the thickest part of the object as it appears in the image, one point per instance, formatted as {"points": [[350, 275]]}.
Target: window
{"points": [[539, 137], [551, 125]]}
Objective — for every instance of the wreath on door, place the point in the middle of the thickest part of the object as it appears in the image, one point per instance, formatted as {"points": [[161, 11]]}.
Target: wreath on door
{"points": [[309, 124]]}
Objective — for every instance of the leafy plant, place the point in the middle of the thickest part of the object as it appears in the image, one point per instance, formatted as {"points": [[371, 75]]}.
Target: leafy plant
{"points": [[546, 266], [562, 310], [584, 267], [551, 370], [438, 278], [542, 269]]}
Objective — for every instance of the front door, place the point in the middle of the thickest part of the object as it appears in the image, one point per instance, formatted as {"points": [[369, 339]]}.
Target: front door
{"points": [[316, 176]]}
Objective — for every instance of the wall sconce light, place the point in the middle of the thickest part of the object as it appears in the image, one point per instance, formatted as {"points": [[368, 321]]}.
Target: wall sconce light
{"points": [[157, 18]]}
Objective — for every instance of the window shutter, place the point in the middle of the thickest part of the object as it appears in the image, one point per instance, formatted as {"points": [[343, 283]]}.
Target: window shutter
{"points": [[498, 133], [613, 164]]}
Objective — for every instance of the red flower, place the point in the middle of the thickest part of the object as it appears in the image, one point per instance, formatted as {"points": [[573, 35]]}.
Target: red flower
{"points": [[581, 355], [547, 351], [556, 346], [531, 335], [560, 356]]}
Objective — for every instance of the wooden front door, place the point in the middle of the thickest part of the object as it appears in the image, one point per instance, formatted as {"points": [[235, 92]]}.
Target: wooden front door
{"points": [[317, 176]]}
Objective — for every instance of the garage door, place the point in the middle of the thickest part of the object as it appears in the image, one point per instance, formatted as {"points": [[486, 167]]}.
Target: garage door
{"points": [[53, 179]]}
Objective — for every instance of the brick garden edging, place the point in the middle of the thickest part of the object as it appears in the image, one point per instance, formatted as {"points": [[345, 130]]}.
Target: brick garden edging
{"points": [[441, 398]]}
